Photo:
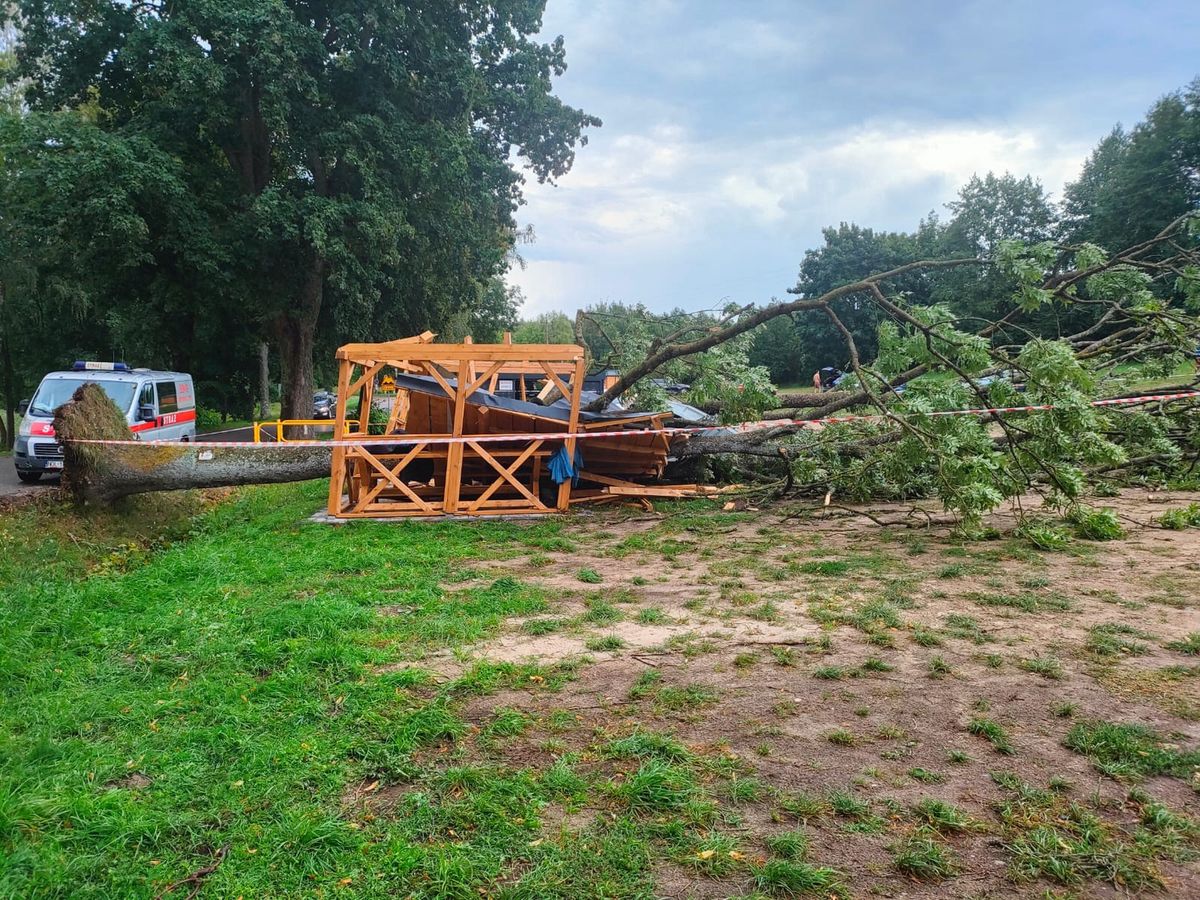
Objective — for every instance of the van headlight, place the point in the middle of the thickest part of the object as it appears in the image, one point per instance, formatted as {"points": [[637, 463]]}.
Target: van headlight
{"points": [[26, 428]]}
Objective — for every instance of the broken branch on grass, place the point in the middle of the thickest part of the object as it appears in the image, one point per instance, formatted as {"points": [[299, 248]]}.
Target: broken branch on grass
{"points": [[196, 879]]}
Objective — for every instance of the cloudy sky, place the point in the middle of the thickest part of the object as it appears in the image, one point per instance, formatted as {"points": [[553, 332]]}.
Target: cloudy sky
{"points": [[734, 131]]}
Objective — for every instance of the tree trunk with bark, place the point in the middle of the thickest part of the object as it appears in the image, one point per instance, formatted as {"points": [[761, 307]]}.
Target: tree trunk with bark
{"points": [[9, 433], [264, 380], [296, 330], [98, 474]]}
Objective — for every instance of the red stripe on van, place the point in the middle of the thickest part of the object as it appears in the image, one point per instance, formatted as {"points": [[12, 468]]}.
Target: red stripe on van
{"points": [[176, 418]]}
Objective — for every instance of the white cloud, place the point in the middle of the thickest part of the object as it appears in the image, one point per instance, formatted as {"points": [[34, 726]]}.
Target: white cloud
{"points": [[640, 208]]}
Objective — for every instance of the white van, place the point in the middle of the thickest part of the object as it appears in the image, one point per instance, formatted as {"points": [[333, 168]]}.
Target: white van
{"points": [[159, 406]]}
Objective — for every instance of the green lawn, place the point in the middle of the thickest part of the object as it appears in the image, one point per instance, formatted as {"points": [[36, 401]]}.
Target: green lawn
{"points": [[214, 691], [734, 704], [242, 423]]}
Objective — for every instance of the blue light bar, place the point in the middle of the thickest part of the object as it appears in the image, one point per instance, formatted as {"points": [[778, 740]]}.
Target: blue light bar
{"points": [[82, 365]]}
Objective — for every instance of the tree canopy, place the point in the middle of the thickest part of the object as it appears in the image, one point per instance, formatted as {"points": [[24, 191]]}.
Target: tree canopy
{"points": [[1133, 185], [303, 172]]}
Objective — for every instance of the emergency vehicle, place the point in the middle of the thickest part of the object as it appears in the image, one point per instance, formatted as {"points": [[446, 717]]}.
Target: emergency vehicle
{"points": [[159, 406]]}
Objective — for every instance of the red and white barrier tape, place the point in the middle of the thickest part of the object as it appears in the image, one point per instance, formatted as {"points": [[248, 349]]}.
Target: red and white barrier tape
{"points": [[409, 439]]}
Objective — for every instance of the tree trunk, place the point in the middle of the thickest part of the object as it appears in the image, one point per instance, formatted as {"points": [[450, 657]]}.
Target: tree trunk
{"points": [[264, 380], [140, 469], [9, 435], [101, 473], [296, 331]]}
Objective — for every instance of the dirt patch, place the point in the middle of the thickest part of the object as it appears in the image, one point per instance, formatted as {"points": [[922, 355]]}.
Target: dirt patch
{"points": [[829, 659], [134, 781], [367, 800]]}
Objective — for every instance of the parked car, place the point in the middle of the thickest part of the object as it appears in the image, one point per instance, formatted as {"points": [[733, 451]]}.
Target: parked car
{"points": [[324, 404], [159, 406]]}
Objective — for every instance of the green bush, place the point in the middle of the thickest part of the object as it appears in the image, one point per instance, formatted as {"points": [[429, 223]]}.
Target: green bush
{"points": [[207, 419]]}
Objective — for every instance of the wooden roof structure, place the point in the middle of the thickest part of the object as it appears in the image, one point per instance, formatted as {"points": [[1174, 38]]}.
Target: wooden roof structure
{"points": [[445, 400]]}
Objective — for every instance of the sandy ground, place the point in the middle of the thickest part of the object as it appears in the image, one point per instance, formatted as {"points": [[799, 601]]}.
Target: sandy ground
{"points": [[764, 616]]}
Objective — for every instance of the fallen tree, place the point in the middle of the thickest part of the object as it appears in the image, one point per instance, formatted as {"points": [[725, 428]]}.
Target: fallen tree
{"points": [[1139, 305], [101, 473]]}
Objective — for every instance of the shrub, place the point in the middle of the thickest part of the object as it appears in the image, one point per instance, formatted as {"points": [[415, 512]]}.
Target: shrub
{"points": [[207, 419]]}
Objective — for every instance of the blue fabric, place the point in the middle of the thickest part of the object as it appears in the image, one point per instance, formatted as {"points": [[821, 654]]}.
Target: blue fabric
{"points": [[561, 467]]}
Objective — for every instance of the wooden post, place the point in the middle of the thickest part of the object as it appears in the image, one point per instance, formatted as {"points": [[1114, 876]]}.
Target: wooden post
{"points": [[337, 472], [471, 368], [564, 489], [454, 452]]}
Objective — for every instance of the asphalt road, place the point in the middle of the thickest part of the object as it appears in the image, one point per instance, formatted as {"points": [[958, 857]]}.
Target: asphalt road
{"points": [[11, 485]]}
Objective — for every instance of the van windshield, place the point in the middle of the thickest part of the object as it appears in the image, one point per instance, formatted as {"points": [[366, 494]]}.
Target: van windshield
{"points": [[54, 392]]}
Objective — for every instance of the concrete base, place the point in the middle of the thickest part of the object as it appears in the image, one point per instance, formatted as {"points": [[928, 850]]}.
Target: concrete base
{"points": [[322, 517]]}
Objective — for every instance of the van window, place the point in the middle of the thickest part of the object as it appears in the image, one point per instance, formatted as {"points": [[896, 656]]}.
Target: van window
{"points": [[54, 392], [146, 398], [167, 402]]}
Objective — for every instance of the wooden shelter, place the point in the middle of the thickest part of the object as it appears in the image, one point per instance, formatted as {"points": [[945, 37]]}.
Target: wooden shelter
{"points": [[445, 400]]}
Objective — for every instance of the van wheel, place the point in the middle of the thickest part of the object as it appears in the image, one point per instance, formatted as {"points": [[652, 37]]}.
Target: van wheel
{"points": [[184, 439], [29, 477]]}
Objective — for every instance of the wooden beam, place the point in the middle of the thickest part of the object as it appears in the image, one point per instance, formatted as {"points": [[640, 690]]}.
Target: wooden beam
{"points": [[506, 474], [492, 370], [369, 372], [558, 382], [564, 489], [454, 458], [400, 344], [458, 352], [437, 376], [392, 476], [337, 471]]}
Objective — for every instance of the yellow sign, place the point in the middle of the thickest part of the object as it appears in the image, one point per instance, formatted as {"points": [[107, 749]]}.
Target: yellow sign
{"points": [[387, 385]]}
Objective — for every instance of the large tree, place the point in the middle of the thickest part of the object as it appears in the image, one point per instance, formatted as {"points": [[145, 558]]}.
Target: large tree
{"points": [[346, 163], [1135, 183]]}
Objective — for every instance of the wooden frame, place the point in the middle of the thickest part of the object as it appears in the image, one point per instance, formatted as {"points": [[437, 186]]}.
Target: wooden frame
{"points": [[422, 473]]}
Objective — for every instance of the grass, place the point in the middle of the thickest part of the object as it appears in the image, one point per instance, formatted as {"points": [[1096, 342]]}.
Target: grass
{"points": [[1115, 639], [605, 642], [225, 661], [179, 681], [922, 856], [786, 878], [1124, 750], [791, 845], [652, 616], [842, 738], [657, 786], [875, 664], [966, 627], [993, 733], [1028, 601], [925, 637], [543, 625], [1046, 666], [1189, 645], [829, 673], [925, 776], [1052, 837], [600, 612], [943, 817]]}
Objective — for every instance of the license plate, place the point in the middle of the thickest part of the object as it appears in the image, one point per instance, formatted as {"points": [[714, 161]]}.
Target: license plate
{"points": [[54, 463]]}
